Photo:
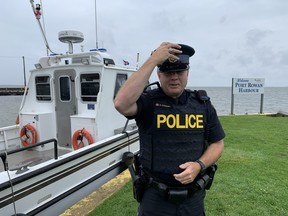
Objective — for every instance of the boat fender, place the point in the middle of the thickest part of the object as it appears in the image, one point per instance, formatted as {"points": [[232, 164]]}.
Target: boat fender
{"points": [[17, 120], [77, 139], [28, 135]]}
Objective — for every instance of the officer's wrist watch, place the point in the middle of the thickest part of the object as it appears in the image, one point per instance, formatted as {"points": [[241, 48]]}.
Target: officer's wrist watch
{"points": [[202, 165]]}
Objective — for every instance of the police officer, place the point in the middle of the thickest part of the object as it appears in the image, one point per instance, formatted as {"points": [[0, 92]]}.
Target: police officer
{"points": [[173, 126]]}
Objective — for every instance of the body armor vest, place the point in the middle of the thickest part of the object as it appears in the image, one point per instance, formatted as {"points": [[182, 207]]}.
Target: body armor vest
{"points": [[175, 137]]}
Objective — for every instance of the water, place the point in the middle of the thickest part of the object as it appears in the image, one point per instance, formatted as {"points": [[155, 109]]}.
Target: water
{"points": [[275, 100], [9, 109]]}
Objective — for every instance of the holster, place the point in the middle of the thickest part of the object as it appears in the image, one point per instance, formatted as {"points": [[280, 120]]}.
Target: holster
{"points": [[205, 180], [141, 182], [139, 187]]}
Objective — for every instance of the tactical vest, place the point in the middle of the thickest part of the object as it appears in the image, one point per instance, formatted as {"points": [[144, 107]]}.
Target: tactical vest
{"points": [[175, 137]]}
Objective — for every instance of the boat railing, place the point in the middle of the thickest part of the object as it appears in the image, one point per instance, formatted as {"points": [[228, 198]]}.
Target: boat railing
{"points": [[9, 127], [4, 155], [9, 136]]}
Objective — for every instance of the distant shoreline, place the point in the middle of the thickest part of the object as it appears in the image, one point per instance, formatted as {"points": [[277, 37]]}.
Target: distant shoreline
{"points": [[4, 91]]}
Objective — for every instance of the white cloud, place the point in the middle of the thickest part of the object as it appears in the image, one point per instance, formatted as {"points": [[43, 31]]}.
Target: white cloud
{"points": [[232, 38]]}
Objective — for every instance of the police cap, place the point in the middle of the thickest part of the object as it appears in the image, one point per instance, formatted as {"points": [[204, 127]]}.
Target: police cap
{"points": [[178, 65]]}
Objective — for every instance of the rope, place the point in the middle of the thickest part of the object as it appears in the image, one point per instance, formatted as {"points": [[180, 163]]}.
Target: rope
{"points": [[11, 184]]}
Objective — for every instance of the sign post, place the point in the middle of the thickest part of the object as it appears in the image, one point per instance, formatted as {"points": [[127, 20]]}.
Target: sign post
{"points": [[247, 86]]}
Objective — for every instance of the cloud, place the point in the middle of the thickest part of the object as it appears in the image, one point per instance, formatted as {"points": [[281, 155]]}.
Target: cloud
{"points": [[283, 57], [231, 38], [244, 60], [254, 37], [223, 19]]}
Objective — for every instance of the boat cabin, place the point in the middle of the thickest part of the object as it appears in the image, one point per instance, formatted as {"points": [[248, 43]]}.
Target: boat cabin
{"points": [[70, 98]]}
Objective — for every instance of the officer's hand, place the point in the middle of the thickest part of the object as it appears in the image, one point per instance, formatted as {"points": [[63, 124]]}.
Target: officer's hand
{"points": [[164, 51], [191, 170]]}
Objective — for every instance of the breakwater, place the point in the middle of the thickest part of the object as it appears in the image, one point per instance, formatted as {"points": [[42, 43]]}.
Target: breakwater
{"points": [[12, 91]]}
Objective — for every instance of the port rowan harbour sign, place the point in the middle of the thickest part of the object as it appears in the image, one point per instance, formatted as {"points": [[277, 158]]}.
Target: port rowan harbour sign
{"points": [[247, 86]]}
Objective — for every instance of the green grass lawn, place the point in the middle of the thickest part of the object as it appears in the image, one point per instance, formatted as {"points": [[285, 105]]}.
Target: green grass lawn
{"points": [[252, 174]]}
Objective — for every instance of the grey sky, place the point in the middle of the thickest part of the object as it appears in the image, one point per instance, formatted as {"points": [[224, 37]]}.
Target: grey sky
{"points": [[232, 38]]}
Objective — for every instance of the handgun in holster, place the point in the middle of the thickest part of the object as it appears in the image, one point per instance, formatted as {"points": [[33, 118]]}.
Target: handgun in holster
{"points": [[205, 180], [132, 162]]}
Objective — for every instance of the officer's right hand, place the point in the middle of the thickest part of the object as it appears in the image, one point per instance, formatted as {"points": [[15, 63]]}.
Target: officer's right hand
{"points": [[164, 51]]}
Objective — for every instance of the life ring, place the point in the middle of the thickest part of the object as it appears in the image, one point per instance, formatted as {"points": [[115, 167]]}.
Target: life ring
{"points": [[28, 135], [77, 139]]}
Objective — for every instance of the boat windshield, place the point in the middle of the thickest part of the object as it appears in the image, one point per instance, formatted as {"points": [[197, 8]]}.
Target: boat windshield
{"points": [[90, 84], [43, 92]]}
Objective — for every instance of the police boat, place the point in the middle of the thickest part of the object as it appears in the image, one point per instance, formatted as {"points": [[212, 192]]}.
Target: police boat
{"points": [[69, 139]]}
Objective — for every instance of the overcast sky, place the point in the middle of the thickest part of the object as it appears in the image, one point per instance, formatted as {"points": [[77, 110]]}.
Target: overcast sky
{"points": [[232, 38]]}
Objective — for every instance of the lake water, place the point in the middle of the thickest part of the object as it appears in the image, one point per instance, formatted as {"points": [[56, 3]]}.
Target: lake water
{"points": [[275, 100]]}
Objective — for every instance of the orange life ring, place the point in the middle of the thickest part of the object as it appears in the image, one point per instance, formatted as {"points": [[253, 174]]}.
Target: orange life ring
{"points": [[28, 135], [77, 139]]}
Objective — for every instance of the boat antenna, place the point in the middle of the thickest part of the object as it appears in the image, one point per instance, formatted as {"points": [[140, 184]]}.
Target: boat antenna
{"points": [[96, 25], [37, 12], [137, 61], [43, 23]]}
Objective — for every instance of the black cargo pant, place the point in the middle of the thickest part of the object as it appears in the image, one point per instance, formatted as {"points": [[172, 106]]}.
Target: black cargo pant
{"points": [[154, 205]]}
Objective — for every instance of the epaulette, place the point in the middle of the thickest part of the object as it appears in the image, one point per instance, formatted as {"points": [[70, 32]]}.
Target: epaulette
{"points": [[153, 92], [201, 95], [148, 87]]}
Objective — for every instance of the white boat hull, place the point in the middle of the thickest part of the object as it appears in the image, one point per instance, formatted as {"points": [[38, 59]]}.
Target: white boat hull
{"points": [[51, 187]]}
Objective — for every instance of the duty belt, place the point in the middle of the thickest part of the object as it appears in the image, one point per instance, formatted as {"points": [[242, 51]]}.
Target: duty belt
{"points": [[175, 195]]}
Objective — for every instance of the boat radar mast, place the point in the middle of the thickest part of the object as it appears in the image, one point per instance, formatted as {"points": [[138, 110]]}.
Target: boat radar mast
{"points": [[70, 37]]}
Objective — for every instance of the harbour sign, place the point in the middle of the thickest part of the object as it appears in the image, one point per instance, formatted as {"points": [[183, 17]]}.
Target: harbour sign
{"points": [[248, 85]]}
